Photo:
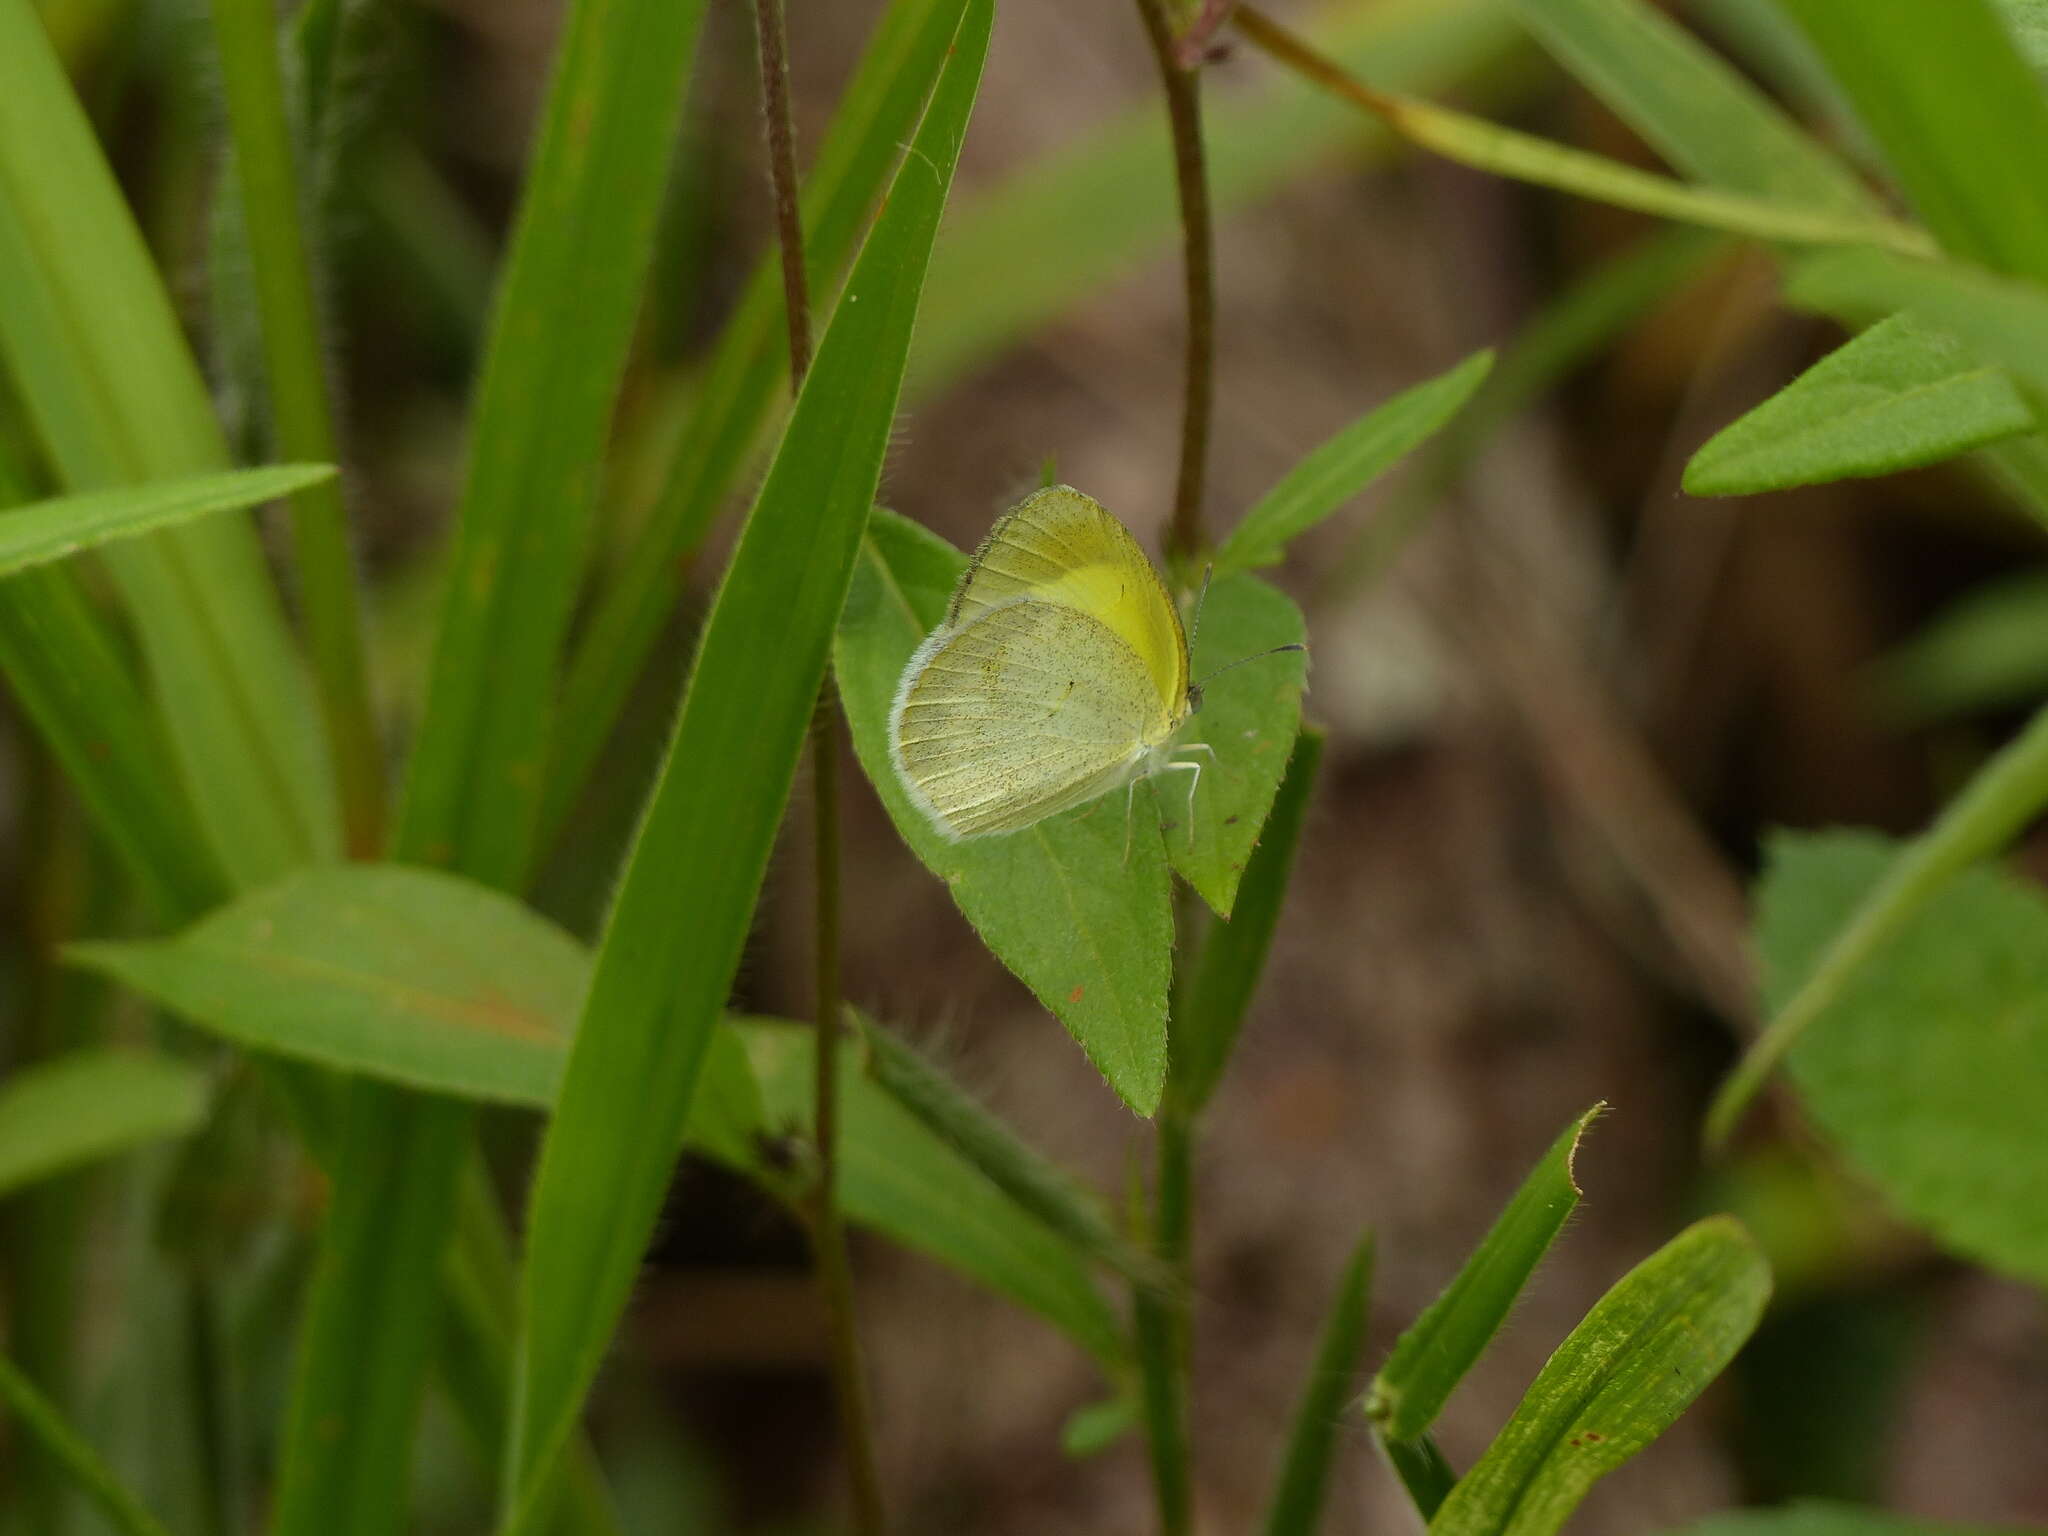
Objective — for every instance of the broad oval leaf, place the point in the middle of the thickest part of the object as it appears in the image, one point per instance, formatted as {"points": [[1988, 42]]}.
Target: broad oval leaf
{"points": [[1645, 1351], [1896, 397], [1347, 463], [49, 530], [1085, 927], [1929, 1068], [411, 975], [1432, 1357], [74, 1109]]}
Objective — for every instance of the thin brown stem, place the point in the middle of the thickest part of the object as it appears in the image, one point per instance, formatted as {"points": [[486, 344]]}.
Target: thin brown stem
{"points": [[828, 1233], [1187, 537], [789, 225], [1191, 49]]}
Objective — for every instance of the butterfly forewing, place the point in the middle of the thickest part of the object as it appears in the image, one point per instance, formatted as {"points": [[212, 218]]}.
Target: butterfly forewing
{"points": [[1060, 547], [1020, 712]]}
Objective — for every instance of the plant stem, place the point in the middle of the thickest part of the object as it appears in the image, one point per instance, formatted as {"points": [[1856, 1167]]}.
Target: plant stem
{"points": [[39, 1419], [1187, 537], [1162, 1323], [302, 418], [828, 1233]]}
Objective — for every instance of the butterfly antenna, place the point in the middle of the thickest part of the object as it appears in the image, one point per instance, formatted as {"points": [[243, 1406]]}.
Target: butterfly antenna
{"points": [[1201, 597], [1255, 656]]}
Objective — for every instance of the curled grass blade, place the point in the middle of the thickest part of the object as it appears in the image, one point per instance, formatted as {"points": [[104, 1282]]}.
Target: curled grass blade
{"points": [[1645, 1351], [683, 906], [1432, 1357]]}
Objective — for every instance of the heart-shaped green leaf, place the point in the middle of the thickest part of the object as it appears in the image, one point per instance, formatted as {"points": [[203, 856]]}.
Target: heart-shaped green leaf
{"points": [[1082, 924]]}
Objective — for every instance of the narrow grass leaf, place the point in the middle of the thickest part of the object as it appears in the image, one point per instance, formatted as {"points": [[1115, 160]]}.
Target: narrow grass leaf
{"points": [[1426, 1475], [1250, 718], [1899, 396], [1094, 1429], [1432, 1357], [1345, 465], [1036, 1184], [295, 377], [898, 1177], [1941, 88], [90, 1104], [97, 353], [71, 679], [1693, 107], [49, 530], [681, 914], [2002, 320], [409, 975], [1500, 151], [1297, 1507], [1645, 1351], [1028, 248], [551, 375], [2005, 794], [39, 1419], [1818, 1518], [1987, 651], [745, 381], [1083, 923], [1929, 1066], [1234, 955]]}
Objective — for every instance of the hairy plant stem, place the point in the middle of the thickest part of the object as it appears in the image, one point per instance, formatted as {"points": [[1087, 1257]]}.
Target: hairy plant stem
{"points": [[1187, 538], [828, 1233]]}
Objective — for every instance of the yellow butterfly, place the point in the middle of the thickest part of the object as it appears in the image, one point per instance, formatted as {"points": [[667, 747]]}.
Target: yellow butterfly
{"points": [[1059, 673]]}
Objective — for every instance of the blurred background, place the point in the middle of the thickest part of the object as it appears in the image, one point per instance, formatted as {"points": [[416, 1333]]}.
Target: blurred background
{"points": [[1564, 702]]}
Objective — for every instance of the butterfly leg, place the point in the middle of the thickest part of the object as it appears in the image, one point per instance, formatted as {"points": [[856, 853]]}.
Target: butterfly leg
{"points": [[1130, 802]]}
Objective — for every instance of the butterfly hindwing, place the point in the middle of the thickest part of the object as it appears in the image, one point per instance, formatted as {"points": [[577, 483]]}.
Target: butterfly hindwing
{"points": [[1023, 710]]}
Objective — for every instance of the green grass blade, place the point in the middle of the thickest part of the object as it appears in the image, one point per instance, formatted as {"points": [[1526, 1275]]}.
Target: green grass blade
{"points": [[1077, 911], [1234, 955], [1038, 1186], [586, 226], [2003, 797], [72, 681], [1432, 1357], [1946, 95], [1929, 1069], [113, 391], [1899, 396], [39, 1418], [44, 531], [1346, 464], [746, 382], [1693, 107], [410, 976], [899, 1177], [1426, 1475], [681, 914], [90, 1104], [1645, 1351], [1297, 1506], [245, 34], [1026, 249], [371, 1316]]}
